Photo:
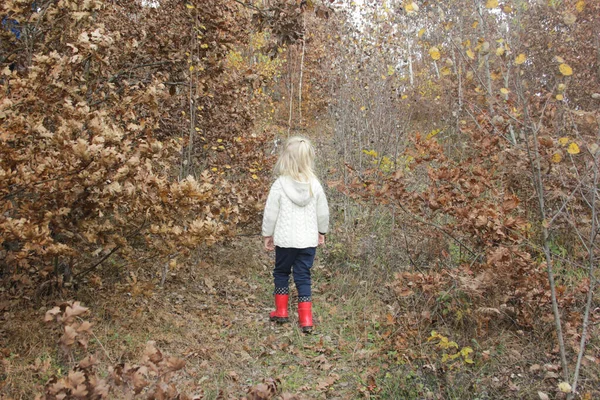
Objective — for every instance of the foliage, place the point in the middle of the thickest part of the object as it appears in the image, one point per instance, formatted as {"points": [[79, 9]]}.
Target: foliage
{"points": [[502, 173], [116, 138], [152, 376]]}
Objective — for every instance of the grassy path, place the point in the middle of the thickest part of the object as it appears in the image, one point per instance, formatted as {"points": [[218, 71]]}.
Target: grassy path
{"points": [[215, 315], [222, 325]]}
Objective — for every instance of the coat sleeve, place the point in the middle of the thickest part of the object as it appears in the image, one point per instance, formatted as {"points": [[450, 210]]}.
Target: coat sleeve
{"points": [[271, 210], [322, 211]]}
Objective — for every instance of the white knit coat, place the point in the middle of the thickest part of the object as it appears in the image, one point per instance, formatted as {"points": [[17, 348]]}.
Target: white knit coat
{"points": [[295, 213]]}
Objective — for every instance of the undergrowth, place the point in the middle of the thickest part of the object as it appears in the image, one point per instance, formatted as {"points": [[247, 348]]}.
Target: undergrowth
{"points": [[374, 334]]}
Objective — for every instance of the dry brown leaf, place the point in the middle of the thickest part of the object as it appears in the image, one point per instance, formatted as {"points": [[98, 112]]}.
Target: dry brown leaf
{"points": [[175, 363], [51, 314], [75, 378], [68, 337], [74, 311]]}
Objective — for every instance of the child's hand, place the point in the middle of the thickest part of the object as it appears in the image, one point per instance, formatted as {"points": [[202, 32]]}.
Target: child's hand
{"points": [[269, 245], [321, 239]]}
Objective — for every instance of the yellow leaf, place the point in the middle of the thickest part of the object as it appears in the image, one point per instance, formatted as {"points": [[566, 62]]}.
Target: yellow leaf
{"points": [[559, 97], [504, 91], [363, 108], [491, 4], [499, 51], [475, 24], [561, 87], [219, 140], [521, 58], [434, 52], [580, 6], [573, 148], [191, 68], [254, 176], [189, 6], [465, 351], [556, 158], [421, 32], [404, 97], [471, 54], [565, 69], [411, 7], [214, 169], [563, 141], [445, 71], [564, 387], [390, 70], [507, 9]]}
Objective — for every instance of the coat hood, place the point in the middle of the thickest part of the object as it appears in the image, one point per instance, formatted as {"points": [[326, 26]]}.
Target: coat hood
{"points": [[299, 193]]}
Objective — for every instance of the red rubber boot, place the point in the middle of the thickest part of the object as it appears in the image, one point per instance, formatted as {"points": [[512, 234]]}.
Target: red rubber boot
{"points": [[281, 309], [305, 316]]}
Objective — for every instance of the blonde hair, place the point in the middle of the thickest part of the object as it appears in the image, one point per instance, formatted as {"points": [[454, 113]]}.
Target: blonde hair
{"points": [[297, 159]]}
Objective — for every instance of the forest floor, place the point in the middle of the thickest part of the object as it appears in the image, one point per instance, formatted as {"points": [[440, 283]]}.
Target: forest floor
{"points": [[215, 315]]}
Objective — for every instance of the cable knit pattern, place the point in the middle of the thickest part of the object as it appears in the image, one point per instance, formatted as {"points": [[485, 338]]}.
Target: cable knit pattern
{"points": [[295, 213]]}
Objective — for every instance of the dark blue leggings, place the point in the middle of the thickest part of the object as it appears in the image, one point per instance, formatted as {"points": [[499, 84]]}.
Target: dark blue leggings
{"points": [[299, 261]]}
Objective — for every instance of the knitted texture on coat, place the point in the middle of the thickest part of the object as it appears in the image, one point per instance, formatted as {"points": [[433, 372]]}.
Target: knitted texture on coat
{"points": [[295, 213]]}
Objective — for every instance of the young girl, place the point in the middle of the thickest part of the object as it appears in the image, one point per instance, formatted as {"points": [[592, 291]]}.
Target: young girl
{"points": [[295, 222]]}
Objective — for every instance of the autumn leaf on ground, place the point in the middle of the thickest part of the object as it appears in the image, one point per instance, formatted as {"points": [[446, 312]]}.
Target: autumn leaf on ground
{"points": [[521, 58], [564, 387], [411, 7], [491, 4], [543, 396], [175, 363], [50, 314], [74, 311], [434, 52], [573, 148], [556, 157], [68, 337], [565, 69]]}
